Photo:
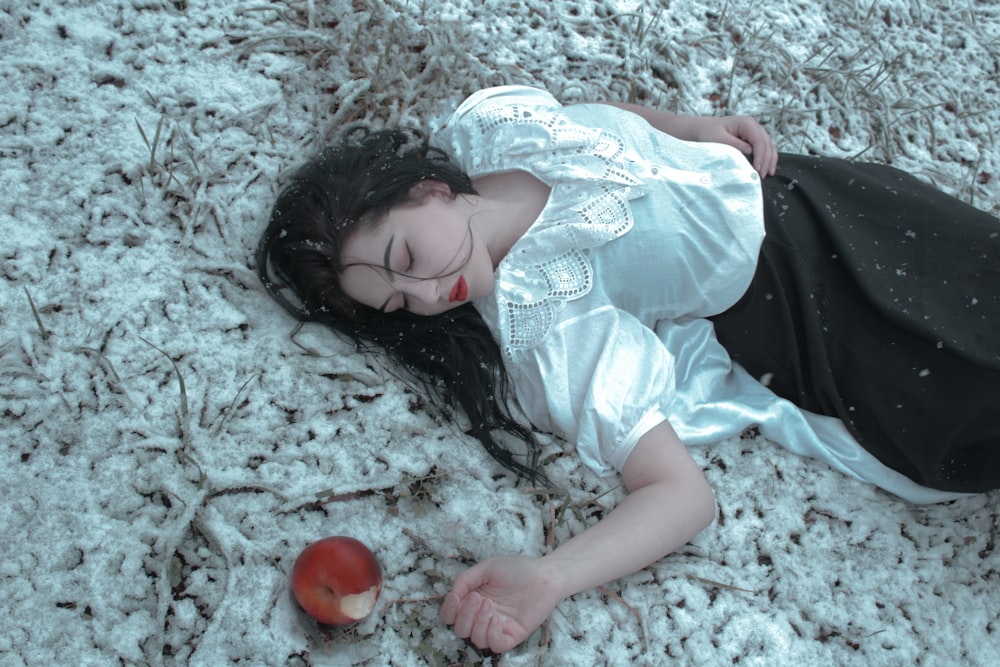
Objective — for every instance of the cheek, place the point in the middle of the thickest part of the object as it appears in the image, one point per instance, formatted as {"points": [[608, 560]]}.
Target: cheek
{"points": [[364, 285]]}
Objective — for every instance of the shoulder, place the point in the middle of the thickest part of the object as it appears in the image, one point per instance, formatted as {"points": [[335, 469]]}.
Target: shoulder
{"points": [[512, 127], [506, 96], [491, 118]]}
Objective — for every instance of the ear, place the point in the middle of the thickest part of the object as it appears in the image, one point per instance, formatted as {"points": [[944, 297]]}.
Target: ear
{"points": [[423, 189]]}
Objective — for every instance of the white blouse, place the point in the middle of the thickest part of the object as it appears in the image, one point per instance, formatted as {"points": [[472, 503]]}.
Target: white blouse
{"points": [[599, 307]]}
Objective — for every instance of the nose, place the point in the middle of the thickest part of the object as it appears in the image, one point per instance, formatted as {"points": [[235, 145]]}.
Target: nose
{"points": [[427, 290]]}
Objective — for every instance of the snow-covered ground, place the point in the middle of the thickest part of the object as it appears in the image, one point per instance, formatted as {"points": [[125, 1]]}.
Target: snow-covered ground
{"points": [[168, 448]]}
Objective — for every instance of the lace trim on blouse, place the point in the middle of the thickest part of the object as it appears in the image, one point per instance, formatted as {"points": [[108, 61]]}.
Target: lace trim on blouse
{"points": [[549, 265]]}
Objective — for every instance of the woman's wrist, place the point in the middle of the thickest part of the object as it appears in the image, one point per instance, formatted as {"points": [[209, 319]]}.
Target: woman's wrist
{"points": [[559, 576]]}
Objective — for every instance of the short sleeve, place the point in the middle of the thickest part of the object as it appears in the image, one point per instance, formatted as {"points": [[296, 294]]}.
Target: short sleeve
{"points": [[600, 380], [505, 128], [506, 96], [471, 135]]}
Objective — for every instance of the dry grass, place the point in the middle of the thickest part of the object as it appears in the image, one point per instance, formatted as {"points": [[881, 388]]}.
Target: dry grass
{"points": [[203, 469]]}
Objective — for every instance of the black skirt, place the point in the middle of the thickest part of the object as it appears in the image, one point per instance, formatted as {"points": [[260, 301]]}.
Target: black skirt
{"points": [[877, 300]]}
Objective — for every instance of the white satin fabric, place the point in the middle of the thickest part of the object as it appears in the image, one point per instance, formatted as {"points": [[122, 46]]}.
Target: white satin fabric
{"points": [[599, 307]]}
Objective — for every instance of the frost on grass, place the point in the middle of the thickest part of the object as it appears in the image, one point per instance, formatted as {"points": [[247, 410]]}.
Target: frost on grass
{"points": [[170, 447]]}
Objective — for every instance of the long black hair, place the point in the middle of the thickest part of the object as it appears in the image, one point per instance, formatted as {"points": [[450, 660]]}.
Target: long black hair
{"points": [[350, 186]]}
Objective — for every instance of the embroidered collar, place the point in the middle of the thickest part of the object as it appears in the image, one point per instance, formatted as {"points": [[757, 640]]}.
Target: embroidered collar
{"points": [[588, 206]]}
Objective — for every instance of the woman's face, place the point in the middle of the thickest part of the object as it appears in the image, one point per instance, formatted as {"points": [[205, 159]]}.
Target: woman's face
{"points": [[425, 257]]}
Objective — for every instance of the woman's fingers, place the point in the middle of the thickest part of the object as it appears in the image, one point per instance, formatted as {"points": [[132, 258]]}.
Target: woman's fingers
{"points": [[765, 155], [767, 165], [465, 586], [484, 619], [449, 609], [748, 136], [476, 618], [765, 159], [465, 616], [496, 604], [498, 641]]}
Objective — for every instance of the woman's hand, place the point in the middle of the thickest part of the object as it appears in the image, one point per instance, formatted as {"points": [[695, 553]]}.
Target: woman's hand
{"points": [[741, 132], [498, 603]]}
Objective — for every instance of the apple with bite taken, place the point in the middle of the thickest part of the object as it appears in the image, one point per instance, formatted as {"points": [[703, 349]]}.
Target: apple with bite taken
{"points": [[337, 580]]}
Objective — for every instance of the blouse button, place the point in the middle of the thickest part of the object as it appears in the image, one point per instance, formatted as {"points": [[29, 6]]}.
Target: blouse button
{"points": [[655, 171]]}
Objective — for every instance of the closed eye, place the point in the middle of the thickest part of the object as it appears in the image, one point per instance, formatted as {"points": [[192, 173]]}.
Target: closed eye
{"points": [[410, 258], [411, 261]]}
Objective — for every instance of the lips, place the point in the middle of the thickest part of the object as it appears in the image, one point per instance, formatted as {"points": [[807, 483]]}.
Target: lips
{"points": [[459, 291]]}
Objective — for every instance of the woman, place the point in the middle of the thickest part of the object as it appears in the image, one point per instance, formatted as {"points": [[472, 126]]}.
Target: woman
{"points": [[608, 263]]}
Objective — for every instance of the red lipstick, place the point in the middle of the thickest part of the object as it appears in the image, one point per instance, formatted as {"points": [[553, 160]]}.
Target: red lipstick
{"points": [[459, 291]]}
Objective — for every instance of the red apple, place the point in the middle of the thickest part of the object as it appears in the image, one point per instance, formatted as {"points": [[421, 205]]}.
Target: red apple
{"points": [[337, 580]]}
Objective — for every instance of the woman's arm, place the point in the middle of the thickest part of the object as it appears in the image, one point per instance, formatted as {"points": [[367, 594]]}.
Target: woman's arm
{"points": [[742, 132], [498, 603]]}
